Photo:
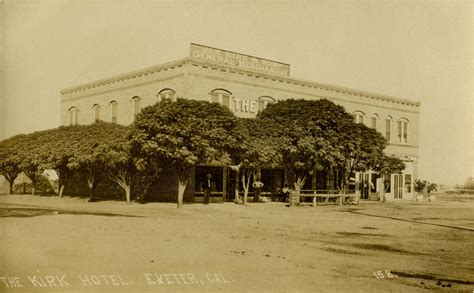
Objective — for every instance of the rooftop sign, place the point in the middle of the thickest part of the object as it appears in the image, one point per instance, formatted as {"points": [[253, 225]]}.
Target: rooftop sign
{"points": [[237, 60]]}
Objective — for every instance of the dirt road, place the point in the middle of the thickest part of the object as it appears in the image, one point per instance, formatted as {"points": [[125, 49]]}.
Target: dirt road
{"points": [[69, 245]]}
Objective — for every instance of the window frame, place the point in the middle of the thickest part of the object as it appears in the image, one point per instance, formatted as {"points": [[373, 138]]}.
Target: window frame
{"points": [[166, 94], [359, 117], [73, 115], [136, 105], [113, 111]]}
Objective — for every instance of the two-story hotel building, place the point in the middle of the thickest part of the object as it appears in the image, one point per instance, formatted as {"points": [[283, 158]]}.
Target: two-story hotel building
{"points": [[246, 84]]}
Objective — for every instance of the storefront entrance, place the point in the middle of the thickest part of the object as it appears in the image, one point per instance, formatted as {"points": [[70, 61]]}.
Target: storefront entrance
{"points": [[364, 186], [398, 186]]}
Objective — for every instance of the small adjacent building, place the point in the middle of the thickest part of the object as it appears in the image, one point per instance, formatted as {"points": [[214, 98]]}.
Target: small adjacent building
{"points": [[246, 84]]}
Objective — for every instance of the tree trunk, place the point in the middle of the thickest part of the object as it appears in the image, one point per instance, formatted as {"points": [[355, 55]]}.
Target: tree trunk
{"points": [[384, 197], [257, 178], [246, 184], [127, 193], [236, 187], [61, 190], [181, 188], [10, 183]]}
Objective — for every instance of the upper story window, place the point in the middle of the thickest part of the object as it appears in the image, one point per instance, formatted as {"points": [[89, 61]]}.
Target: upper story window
{"points": [[167, 94], [136, 106], [73, 116], [263, 101], [113, 111], [359, 117], [388, 128], [402, 127], [374, 120], [220, 96], [96, 108]]}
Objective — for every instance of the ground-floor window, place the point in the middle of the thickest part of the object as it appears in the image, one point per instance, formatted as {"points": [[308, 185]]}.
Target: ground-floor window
{"points": [[373, 183], [408, 183], [387, 182]]}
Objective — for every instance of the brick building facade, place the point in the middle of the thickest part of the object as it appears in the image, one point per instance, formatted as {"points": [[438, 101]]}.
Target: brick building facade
{"points": [[246, 84]]}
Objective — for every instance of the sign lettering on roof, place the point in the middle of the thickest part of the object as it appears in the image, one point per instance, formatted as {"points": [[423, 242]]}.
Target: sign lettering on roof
{"points": [[241, 61]]}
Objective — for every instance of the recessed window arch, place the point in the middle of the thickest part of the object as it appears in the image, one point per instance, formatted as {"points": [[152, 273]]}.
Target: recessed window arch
{"points": [[388, 127], [221, 96], [113, 111], [374, 121], [359, 117], [136, 105], [73, 115], [96, 108], [402, 130], [166, 94], [263, 101]]}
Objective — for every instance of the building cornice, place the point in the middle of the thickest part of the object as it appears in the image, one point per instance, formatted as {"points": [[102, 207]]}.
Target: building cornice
{"points": [[306, 83], [123, 77], [289, 80]]}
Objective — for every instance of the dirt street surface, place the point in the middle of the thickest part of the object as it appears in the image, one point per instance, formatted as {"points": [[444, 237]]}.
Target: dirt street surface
{"points": [[49, 244]]}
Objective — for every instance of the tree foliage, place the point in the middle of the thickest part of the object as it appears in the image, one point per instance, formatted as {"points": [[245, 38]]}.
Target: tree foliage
{"points": [[9, 159], [183, 134], [312, 130], [259, 146]]}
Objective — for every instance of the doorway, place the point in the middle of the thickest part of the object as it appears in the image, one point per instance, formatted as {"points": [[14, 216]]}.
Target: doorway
{"points": [[398, 186]]}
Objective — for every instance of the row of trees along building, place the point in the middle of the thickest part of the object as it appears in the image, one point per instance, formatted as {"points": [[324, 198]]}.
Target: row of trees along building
{"points": [[299, 135]]}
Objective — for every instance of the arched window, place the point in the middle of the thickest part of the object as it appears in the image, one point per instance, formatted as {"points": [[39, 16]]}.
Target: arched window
{"points": [[263, 101], [374, 121], [359, 117], [73, 116], [136, 106], [96, 108], [166, 94], [388, 128], [402, 127], [113, 111], [221, 96]]}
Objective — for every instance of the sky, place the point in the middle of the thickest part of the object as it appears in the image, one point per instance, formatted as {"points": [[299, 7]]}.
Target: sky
{"points": [[419, 50]]}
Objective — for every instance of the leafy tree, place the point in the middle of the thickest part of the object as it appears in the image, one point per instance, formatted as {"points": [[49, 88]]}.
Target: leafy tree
{"points": [[469, 184], [9, 159], [31, 152], [258, 147], [101, 151], [421, 185], [120, 163], [311, 128], [359, 149], [182, 134], [57, 150]]}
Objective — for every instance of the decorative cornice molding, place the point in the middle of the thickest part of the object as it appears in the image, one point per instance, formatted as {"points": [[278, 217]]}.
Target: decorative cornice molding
{"points": [[123, 77], [233, 70], [307, 83]]}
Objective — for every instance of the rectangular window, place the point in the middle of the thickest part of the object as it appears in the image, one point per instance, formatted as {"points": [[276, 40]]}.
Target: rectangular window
{"points": [[136, 107], [226, 101], [387, 183], [114, 113], [405, 132], [408, 183], [373, 183], [96, 113], [399, 128], [373, 123], [388, 128]]}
